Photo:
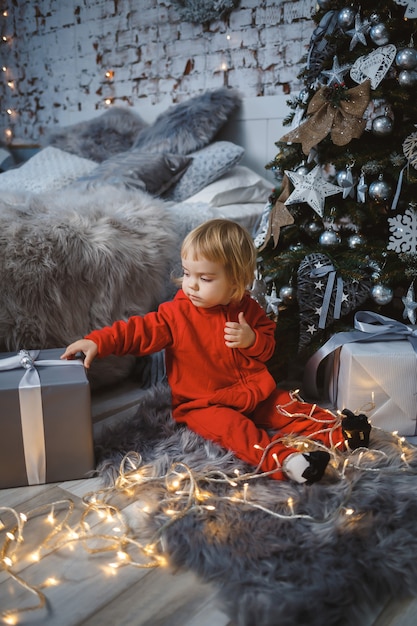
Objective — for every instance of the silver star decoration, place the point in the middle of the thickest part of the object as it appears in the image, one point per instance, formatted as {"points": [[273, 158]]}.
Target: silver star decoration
{"points": [[318, 285], [311, 329], [345, 297], [272, 302], [335, 75], [318, 310], [410, 305], [311, 188], [361, 189], [358, 33], [318, 265]]}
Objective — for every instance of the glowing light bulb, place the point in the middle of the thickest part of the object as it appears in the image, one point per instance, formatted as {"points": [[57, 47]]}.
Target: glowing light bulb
{"points": [[10, 619], [349, 511], [8, 561], [10, 536]]}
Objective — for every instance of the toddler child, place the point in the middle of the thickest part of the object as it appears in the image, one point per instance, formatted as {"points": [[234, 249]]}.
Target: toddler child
{"points": [[217, 340]]}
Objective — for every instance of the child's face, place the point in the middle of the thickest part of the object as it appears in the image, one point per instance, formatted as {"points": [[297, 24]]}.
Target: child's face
{"points": [[205, 283]]}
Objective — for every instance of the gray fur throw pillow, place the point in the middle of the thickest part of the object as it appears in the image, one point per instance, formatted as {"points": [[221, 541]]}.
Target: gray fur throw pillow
{"points": [[154, 173], [190, 125], [100, 138]]}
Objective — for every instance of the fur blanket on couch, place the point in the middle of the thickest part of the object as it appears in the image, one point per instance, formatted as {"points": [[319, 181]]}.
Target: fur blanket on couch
{"points": [[75, 260]]}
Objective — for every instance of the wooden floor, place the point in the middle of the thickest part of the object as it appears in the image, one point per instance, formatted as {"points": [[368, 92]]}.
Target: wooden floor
{"points": [[82, 588]]}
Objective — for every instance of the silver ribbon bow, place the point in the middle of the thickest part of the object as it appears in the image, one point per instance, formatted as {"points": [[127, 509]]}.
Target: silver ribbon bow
{"points": [[330, 271], [369, 326]]}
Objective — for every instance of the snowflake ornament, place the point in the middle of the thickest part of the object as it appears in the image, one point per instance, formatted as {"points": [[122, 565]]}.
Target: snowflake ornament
{"points": [[404, 232]]}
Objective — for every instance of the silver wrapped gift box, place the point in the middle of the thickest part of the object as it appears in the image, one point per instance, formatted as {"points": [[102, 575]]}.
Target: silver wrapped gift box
{"points": [[45, 419]]}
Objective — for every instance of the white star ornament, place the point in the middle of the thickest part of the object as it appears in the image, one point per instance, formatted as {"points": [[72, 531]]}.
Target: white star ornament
{"points": [[311, 188]]}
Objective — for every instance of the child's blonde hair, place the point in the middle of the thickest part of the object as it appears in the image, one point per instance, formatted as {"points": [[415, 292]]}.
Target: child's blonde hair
{"points": [[227, 243]]}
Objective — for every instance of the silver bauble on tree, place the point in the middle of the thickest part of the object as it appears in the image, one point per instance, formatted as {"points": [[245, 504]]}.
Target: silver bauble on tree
{"points": [[406, 58], [314, 228], [329, 238], [379, 34], [382, 126], [287, 294], [346, 17], [407, 78], [381, 294], [380, 190], [356, 241]]}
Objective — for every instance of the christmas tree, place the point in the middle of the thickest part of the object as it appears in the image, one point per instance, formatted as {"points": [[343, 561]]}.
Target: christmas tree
{"points": [[340, 230]]}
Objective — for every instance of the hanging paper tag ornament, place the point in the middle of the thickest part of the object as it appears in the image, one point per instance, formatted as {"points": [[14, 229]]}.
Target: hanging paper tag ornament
{"points": [[374, 66], [411, 11]]}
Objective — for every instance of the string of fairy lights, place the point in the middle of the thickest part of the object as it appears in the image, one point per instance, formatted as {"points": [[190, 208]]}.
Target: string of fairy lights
{"points": [[101, 526], [6, 40]]}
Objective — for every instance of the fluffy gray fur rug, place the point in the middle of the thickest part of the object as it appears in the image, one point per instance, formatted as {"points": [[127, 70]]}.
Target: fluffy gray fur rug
{"points": [[72, 261], [324, 569]]}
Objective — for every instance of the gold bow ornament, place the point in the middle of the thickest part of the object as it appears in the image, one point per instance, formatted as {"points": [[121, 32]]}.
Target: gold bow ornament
{"points": [[336, 110]]}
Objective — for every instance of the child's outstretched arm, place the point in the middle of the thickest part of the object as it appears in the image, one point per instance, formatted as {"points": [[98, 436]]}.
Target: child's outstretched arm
{"points": [[87, 346]]}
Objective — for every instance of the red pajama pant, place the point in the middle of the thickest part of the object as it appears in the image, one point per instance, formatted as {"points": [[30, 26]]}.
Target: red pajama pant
{"points": [[247, 436]]}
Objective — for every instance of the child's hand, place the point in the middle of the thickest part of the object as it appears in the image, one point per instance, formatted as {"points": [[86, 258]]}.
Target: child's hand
{"points": [[88, 347], [239, 334]]}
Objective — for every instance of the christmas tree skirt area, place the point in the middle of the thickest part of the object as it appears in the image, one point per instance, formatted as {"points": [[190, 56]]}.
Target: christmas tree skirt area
{"points": [[280, 553]]}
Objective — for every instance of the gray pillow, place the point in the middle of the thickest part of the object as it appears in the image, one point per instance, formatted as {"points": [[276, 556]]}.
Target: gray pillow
{"points": [[190, 125], [154, 173], [99, 138], [207, 166]]}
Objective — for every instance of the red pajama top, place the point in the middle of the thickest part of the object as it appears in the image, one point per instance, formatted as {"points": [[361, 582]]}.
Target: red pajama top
{"points": [[201, 369]]}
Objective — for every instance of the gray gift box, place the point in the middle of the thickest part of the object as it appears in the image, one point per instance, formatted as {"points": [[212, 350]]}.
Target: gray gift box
{"points": [[46, 429]]}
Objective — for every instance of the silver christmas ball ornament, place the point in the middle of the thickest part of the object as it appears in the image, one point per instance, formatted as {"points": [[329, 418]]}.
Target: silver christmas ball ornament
{"points": [[329, 238], [380, 190], [382, 126], [406, 58], [287, 294], [379, 34], [381, 294], [302, 169], [314, 228], [355, 241], [346, 17], [407, 78]]}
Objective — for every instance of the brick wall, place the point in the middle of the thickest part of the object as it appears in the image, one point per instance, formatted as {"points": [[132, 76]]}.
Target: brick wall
{"points": [[56, 53]]}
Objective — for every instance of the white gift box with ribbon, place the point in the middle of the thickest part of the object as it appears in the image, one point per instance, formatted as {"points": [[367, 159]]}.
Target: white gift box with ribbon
{"points": [[379, 379], [45, 419], [372, 370]]}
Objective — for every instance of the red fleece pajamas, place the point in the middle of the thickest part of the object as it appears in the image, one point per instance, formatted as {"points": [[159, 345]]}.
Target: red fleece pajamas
{"points": [[225, 394]]}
